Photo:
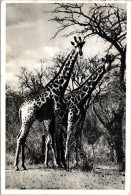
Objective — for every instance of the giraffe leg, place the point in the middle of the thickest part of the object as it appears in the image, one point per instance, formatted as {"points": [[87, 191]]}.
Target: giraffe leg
{"points": [[53, 153], [62, 151], [19, 146], [23, 156], [21, 143], [58, 147], [23, 137], [59, 116], [47, 139], [71, 124], [17, 155], [46, 150], [67, 140], [77, 130], [52, 142]]}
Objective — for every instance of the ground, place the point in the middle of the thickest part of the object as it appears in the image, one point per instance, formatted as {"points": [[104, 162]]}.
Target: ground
{"points": [[38, 178]]}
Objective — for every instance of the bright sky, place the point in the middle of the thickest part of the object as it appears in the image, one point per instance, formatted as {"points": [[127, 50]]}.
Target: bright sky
{"points": [[28, 38]]}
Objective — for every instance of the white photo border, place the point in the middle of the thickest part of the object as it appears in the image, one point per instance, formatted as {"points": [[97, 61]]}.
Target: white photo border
{"points": [[127, 190]]}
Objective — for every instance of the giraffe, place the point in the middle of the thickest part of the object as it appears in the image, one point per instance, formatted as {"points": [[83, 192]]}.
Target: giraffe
{"points": [[48, 102], [75, 100]]}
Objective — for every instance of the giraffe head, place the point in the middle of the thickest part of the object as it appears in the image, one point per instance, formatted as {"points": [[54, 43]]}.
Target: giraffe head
{"points": [[78, 44], [108, 61]]}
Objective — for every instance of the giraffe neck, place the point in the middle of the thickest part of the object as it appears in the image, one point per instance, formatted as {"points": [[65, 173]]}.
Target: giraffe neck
{"points": [[61, 80], [81, 94]]}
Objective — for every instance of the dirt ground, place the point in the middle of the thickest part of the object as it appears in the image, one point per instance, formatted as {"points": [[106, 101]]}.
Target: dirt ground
{"points": [[38, 178]]}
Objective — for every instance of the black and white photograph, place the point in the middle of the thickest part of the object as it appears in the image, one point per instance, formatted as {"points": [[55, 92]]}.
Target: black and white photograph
{"points": [[65, 109]]}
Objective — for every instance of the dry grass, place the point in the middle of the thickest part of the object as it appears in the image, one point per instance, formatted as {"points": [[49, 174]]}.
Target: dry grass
{"points": [[39, 178]]}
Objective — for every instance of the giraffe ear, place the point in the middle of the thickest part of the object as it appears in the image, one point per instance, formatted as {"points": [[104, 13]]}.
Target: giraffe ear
{"points": [[75, 39], [80, 39], [72, 43]]}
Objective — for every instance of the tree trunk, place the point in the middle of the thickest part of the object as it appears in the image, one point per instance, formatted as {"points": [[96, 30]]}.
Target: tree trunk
{"points": [[122, 72], [118, 138]]}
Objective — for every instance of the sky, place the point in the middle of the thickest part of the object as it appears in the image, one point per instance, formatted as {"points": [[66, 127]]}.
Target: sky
{"points": [[28, 38]]}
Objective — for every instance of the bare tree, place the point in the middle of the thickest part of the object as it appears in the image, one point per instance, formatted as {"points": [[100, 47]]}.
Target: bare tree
{"points": [[32, 82], [106, 21]]}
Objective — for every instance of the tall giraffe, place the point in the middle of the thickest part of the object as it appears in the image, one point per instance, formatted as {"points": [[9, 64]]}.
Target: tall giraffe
{"points": [[48, 102], [77, 98], [74, 101]]}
